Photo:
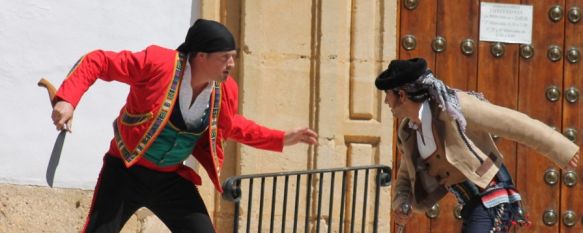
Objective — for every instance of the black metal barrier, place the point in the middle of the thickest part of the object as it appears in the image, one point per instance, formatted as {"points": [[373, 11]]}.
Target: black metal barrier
{"points": [[305, 189]]}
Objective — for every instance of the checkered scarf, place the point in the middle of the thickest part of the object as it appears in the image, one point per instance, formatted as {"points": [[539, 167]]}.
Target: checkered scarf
{"points": [[446, 98]]}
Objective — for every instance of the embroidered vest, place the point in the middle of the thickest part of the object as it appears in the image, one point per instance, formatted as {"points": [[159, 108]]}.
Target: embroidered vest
{"points": [[437, 164], [160, 120], [174, 145]]}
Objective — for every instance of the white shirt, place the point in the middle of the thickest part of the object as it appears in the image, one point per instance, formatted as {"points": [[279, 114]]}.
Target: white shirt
{"points": [[425, 141], [193, 113]]}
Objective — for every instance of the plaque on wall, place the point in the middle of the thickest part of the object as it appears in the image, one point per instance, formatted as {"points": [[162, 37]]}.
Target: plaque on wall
{"points": [[507, 23]]}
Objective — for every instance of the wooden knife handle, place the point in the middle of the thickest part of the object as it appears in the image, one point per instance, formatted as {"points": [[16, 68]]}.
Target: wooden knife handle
{"points": [[50, 88]]}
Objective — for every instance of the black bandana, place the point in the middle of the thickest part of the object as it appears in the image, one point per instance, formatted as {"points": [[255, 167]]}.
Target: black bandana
{"points": [[207, 36]]}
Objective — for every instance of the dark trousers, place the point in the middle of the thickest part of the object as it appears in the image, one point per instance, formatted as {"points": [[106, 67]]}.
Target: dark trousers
{"points": [[120, 191], [478, 219]]}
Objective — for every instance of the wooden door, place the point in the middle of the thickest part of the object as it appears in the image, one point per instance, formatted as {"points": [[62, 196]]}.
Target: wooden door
{"points": [[572, 193], [543, 85]]}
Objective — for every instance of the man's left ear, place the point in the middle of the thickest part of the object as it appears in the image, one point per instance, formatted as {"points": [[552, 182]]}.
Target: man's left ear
{"points": [[402, 96]]}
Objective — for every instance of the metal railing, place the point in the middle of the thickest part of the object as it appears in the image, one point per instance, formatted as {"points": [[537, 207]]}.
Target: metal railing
{"points": [[309, 185]]}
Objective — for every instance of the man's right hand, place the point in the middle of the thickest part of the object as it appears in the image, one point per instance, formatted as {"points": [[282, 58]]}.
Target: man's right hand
{"points": [[62, 115]]}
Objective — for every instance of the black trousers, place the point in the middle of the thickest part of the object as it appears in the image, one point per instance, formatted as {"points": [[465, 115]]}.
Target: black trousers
{"points": [[120, 191]]}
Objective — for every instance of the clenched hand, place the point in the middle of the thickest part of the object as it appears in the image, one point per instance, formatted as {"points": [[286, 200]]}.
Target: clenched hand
{"points": [[63, 115]]}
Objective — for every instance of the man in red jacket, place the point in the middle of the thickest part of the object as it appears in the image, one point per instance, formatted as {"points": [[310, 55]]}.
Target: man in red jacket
{"points": [[181, 102]]}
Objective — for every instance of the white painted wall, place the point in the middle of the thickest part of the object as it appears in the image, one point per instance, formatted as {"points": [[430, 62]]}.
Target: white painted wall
{"points": [[44, 39]]}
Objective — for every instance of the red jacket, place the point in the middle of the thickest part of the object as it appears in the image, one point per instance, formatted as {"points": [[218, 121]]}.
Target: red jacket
{"points": [[154, 76]]}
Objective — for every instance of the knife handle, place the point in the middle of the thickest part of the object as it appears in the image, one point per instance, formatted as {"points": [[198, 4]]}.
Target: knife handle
{"points": [[50, 88], [52, 92]]}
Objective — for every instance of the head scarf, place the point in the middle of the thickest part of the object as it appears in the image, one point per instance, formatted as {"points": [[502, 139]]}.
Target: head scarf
{"points": [[413, 77], [445, 97], [207, 36]]}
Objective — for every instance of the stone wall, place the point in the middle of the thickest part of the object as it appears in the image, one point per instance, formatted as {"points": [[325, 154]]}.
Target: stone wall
{"points": [[312, 63], [25, 209]]}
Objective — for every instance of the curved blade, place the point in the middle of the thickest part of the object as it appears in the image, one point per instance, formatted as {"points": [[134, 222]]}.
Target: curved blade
{"points": [[55, 156]]}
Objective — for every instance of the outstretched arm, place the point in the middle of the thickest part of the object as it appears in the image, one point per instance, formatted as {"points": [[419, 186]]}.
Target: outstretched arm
{"points": [[250, 133], [521, 128]]}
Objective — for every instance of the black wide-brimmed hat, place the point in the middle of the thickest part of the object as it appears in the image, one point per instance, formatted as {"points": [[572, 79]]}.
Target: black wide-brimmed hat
{"points": [[401, 72], [207, 36]]}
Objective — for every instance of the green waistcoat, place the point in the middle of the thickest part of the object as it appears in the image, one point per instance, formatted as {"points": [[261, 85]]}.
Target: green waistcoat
{"points": [[174, 145]]}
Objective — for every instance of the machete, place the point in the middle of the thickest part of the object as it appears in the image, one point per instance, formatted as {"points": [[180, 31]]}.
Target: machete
{"points": [[58, 147]]}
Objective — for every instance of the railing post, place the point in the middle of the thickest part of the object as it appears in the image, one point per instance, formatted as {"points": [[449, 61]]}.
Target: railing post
{"points": [[296, 209], [321, 181], [308, 203], [249, 205], [273, 197], [343, 195], [330, 212], [365, 198], [236, 212], [261, 195], [283, 212]]}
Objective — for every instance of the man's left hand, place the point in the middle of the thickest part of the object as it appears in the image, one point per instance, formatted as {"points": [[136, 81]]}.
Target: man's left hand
{"points": [[303, 135]]}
